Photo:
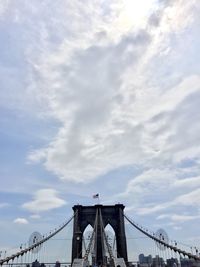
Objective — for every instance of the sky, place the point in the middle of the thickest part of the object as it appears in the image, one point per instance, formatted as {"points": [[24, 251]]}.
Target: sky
{"points": [[99, 97]]}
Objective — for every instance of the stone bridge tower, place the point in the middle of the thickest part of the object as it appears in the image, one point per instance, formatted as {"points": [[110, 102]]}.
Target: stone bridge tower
{"points": [[85, 215]]}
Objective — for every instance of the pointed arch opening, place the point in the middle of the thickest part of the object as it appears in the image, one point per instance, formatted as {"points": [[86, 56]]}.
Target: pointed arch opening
{"points": [[111, 237], [86, 237]]}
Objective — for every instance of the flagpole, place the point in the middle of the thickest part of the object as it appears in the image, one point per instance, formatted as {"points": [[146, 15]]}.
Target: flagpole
{"points": [[97, 197]]}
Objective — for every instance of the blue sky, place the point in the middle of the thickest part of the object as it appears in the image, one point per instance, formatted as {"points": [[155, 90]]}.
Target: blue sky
{"points": [[99, 97]]}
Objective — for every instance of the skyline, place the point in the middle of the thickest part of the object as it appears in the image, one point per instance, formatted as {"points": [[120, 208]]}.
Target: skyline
{"points": [[100, 97]]}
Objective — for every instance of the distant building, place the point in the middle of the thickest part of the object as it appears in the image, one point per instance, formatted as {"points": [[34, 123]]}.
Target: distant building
{"points": [[145, 260], [149, 261], [172, 262], [158, 261], [185, 262]]}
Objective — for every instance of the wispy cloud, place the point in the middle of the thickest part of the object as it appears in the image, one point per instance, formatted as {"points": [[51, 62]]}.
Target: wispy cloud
{"points": [[179, 218], [190, 182], [21, 221], [44, 200], [189, 199]]}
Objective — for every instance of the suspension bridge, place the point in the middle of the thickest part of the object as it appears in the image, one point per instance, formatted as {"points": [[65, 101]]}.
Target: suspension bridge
{"points": [[97, 249]]}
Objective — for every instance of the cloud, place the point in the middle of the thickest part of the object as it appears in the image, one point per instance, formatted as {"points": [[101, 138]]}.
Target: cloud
{"points": [[97, 74], [152, 208], [191, 182], [92, 91], [21, 221], [153, 184], [179, 218], [150, 180], [187, 199], [191, 198], [90, 126], [81, 143], [44, 200]]}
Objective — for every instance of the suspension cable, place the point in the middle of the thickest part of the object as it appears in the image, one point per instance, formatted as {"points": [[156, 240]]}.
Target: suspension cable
{"points": [[43, 240], [110, 252], [101, 224], [92, 238], [113, 247], [175, 249]]}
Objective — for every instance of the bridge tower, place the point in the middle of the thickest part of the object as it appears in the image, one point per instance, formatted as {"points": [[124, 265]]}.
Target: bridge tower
{"points": [[85, 215]]}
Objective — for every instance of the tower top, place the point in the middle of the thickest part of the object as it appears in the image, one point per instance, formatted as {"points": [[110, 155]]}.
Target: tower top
{"points": [[78, 206]]}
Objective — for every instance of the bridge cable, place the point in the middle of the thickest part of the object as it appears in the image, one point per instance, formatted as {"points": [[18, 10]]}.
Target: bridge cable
{"points": [[114, 241], [175, 249], [101, 224], [88, 250], [110, 252], [43, 240]]}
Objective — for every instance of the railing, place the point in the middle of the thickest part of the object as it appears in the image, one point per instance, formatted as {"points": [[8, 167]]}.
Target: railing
{"points": [[47, 264]]}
